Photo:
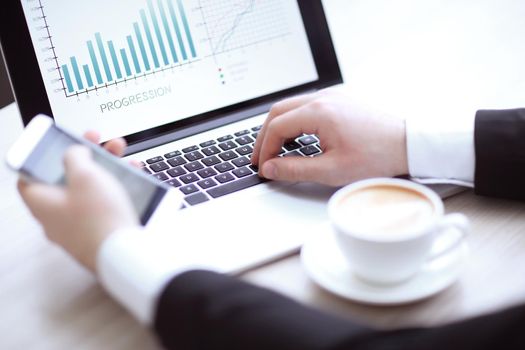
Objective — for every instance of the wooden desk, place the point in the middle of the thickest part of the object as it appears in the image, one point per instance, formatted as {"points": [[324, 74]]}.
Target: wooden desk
{"points": [[47, 301]]}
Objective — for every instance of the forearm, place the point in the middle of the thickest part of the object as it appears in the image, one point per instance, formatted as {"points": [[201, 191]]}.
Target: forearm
{"points": [[204, 310]]}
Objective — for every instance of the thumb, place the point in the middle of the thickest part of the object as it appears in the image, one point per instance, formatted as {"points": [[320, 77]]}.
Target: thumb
{"points": [[296, 169]]}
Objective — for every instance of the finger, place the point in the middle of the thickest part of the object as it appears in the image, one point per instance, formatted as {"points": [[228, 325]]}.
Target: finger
{"points": [[279, 109], [78, 164], [116, 146], [296, 169], [92, 136], [42, 199], [293, 123]]}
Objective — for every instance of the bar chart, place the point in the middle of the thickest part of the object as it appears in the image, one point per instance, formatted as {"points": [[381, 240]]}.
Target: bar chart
{"points": [[161, 38]]}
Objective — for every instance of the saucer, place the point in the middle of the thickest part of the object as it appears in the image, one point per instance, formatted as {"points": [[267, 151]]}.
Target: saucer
{"points": [[325, 265]]}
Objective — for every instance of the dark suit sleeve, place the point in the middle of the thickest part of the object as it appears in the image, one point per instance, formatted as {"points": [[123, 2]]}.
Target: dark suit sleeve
{"points": [[204, 310], [500, 153]]}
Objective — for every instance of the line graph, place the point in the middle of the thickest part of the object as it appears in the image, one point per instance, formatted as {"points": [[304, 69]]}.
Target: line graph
{"points": [[235, 24]]}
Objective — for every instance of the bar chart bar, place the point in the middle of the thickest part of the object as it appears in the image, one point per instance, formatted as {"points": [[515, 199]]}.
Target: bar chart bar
{"points": [[94, 61], [149, 37], [76, 71], [116, 64], [126, 62], [168, 32], [104, 57], [141, 46], [87, 74], [133, 54], [67, 77], [186, 28], [175, 22], [158, 33]]}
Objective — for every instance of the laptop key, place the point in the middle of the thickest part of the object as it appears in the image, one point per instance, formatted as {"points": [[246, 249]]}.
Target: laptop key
{"points": [[193, 156], [146, 170], [210, 151], [293, 154], [310, 150], [211, 161], [172, 154], [240, 162], [173, 183], [158, 167], [242, 172], [192, 167], [189, 178], [291, 146], [225, 138], [223, 178], [255, 135], [235, 186], [207, 183], [229, 155], [242, 133], [307, 140], [226, 146], [161, 176], [177, 171], [207, 144], [206, 173], [196, 198], [178, 160], [190, 149], [154, 160], [244, 150], [245, 140], [189, 189], [257, 128], [224, 167]]}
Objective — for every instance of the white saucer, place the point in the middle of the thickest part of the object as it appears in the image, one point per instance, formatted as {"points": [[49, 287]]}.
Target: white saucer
{"points": [[326, 265]]}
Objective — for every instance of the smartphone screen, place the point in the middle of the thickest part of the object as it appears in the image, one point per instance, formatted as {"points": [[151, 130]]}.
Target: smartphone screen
{"points": [[45, 164]]}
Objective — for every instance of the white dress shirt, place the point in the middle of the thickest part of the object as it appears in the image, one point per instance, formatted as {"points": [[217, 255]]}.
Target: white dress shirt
{"points": [[135, 265]]}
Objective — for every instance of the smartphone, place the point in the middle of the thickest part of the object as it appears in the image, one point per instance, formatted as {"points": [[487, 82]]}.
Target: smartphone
{"points": [[38, 156]]}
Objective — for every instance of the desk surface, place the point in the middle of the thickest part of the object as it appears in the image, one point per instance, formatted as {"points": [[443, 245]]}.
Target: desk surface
{"points": [[49, 302]]}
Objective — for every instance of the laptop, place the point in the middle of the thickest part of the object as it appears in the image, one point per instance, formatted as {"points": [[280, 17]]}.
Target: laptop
{"points": [[188, 83]]}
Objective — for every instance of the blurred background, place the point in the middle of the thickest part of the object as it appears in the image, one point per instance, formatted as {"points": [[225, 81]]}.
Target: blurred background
{"points": [[6, 97]]}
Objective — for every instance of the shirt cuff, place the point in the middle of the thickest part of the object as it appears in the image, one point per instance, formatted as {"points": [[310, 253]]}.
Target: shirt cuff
{"points": [[441, 151], [135, 265]]}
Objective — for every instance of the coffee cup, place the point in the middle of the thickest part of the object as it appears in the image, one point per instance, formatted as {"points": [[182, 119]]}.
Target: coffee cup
{"points": [[388, 229]]}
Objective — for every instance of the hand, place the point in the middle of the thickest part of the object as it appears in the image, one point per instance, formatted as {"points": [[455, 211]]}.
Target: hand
{"points": [[357, 142], [81, 215]]}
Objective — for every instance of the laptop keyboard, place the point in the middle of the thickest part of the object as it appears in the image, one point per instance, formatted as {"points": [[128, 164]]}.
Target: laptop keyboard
{"points": [[216, 168]]}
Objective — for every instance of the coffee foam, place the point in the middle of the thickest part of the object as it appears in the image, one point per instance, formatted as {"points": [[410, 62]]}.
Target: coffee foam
{"points": [[384, 211]]}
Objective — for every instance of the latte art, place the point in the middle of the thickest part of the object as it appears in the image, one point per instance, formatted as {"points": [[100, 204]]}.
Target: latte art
{"points": [[384, 212]]}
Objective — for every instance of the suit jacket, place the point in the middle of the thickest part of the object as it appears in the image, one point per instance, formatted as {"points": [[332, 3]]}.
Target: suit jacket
{"points": [[204, 310]]}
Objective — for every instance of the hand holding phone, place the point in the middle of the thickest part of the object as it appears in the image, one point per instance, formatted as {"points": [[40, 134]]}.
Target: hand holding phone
{"points": [[82, 215], [39, 156]]}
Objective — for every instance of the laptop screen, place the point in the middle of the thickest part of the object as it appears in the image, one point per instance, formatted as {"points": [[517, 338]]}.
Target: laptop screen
{"points": [[124, 66]]}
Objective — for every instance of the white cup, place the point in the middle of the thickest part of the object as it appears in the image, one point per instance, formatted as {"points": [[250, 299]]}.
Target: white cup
{"points": [[390, 258]]}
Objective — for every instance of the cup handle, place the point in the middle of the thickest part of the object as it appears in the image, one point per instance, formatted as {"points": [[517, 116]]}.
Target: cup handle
{"points": [[457, 224]]}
